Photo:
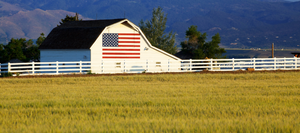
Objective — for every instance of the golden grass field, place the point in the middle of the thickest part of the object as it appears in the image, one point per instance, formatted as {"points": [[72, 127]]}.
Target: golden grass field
{"points": [[249, 102]]}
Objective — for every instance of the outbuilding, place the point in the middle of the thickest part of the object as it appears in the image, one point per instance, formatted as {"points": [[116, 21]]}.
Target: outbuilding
{"points": [[98, 41], [296, 54]]}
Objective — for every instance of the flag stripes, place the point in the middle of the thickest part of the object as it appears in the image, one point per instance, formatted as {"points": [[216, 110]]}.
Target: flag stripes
{"points": [[121, 53], [121, 46]]}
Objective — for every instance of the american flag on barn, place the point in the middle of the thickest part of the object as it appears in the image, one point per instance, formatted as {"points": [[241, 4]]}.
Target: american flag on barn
{"points": [[121, 46]]}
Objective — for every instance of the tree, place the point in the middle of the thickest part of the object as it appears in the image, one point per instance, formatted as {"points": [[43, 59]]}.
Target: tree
{"points": [[2, 53], [41, 39], [21, 49], [14, 50], [32, 52], [155, 31], [199, 48], [69, 18]]}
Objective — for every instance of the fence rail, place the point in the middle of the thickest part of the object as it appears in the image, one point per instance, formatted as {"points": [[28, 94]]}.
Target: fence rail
{"points": [[139, 66]]}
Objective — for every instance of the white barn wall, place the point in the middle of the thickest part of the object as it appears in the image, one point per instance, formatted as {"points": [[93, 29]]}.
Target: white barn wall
{"points": [[157, 56], [149, 54], [52, 55]]}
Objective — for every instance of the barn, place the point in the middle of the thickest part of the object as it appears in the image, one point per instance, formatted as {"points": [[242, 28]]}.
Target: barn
{"points": [[98, 41]]}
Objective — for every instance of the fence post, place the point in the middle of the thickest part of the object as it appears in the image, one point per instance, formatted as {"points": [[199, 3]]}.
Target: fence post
{"points": [[168, 65], [296, 64], [147, 69], [211, 64], [254, 63], [57, 67], [33, 67], [233, 64], [80, 67], [124, 67], [8, 67], [275, 67], [102, 66], [190, 64], [284, 63]]}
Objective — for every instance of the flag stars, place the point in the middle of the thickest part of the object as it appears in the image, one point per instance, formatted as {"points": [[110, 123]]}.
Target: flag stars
{"points": [[110, 40]]}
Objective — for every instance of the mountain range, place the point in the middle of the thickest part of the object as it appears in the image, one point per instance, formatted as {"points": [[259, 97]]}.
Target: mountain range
{"points": [[241, 23]]}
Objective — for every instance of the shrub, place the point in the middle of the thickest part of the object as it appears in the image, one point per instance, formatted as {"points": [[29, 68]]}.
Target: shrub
{"points": [[6, 74], [89, 72]]}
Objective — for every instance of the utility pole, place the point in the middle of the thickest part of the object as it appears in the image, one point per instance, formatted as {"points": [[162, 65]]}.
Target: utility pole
{"points": [[76, 17], [272, 50]]}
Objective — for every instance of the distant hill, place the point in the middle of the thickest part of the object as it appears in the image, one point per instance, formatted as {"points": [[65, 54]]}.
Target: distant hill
{"points": [[241, 24], [21, 23]]}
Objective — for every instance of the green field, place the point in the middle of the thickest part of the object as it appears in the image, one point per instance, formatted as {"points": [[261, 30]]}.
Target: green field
{"points": [[250, 102]]}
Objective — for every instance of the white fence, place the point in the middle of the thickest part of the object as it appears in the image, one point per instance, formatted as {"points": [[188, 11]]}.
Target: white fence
{"points": [[151, 66]]}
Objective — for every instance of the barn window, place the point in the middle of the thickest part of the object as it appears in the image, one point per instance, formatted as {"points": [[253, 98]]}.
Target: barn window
{"points": [[158, 64], [118, 64]]}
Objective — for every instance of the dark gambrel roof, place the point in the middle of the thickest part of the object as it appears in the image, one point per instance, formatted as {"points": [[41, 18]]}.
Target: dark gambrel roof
{"points": [[76, 34]]}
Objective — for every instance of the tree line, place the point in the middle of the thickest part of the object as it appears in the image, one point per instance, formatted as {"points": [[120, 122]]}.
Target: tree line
{"points": [[21, 49], [196, 45]]}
